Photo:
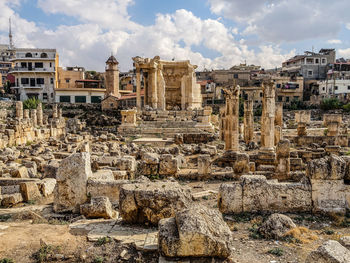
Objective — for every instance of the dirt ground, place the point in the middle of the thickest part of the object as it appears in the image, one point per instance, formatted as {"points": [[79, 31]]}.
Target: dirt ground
{"points": [[20, 240]]}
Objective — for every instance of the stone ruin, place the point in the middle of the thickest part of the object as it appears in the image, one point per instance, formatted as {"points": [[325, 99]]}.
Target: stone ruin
{"points": [[169, 184]]}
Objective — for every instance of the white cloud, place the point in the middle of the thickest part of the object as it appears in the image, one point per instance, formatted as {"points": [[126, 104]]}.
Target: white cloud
{"points": [[344, 52], [334, 41], [284, 20], [109, 28]]}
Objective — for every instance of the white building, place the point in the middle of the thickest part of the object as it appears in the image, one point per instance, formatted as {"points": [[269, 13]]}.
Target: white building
{"points": [[35, 71], [338, 88]]}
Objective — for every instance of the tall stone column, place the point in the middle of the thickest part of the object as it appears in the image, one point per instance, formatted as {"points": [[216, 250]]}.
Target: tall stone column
{"points": [[160, 89], [302, 118], [26, 114], [268, 116], [232, 119], [54, 111], [283, 159], [248, 119], [40, 116], [33, 116], [138, 89], [19, 110], [59, 113], [153, 87]]}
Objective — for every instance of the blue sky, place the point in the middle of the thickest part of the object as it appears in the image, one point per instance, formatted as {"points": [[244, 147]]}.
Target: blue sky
{"points": [[210, 33]]}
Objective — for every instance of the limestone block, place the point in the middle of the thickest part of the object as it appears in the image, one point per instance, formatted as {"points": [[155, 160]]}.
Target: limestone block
{"points": [[20, 172], [328, 195], [328, 168], [230, 198], [204, 165], [241, 164], [329, 252], [47, 186], [168, 165], [195, 232], [30, 191], [104, 174], [150, 202], [108, 188], [345, 241], [107, 161], [126, 163], [99, 207], [12, 199], [276, 226], [120, 175], [72, 176], [150, 158], [51, 168]]}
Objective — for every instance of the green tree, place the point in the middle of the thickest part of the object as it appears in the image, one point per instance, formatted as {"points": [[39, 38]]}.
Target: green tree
{"points": [[31, 103], [330, 104]]}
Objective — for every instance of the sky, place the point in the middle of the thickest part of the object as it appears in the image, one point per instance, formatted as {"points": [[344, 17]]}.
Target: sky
{"points": [[213, 34]]}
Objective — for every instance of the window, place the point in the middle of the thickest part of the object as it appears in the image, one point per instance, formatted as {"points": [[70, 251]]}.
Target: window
{"points": [[287, 99], [23, 64], [296, 98], [43, 55], [323, 88], [335, 87], [261, 94], [278, 86], [40, 81], [348, 87], [29, 55], [51, 80], [317, 61], [64, 98], [44, 96], [39, 65], [309, 73], [279, 98], [235, 76], [309, 61], [50, 64], [67, 80], [324, 61], [95, 99], [24, 81], [80, 99]]}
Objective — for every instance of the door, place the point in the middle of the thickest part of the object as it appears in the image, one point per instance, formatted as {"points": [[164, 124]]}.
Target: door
{"points": [[30, 67], [32, 82]]}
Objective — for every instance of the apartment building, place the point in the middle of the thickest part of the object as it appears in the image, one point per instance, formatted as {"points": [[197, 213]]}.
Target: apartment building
{"points": [[72, 87], [35, 72], [6, 54], [289, 88]]}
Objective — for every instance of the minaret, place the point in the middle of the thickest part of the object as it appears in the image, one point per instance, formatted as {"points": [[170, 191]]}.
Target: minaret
{"points": [[112, 77], [10, 34]]}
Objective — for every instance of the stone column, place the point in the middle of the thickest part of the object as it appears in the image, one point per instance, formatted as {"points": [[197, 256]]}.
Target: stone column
{"points": [[268, 117], [232, 119], [34, 117], [160, 89], [302, 118], [248, 119], [59, 113], [19, 110], [279, 114], [26, 114], [283, 159], [40, 116], [332, 122], [138, 89], [153, 87], [54, 111], [204, 165]]}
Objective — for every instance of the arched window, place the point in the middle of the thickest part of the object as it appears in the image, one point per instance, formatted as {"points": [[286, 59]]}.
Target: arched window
{"points": [[43, 55], [29, 55]]}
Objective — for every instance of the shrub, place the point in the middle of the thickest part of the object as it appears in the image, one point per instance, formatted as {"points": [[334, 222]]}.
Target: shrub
{"points": [[330, 104], [276, 251], [346, 107], [31, 103], [102, 241], [6, 260]]}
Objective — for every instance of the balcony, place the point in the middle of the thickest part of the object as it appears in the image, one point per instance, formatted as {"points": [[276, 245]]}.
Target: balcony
{"points": [[27, 86], [20, 69]]}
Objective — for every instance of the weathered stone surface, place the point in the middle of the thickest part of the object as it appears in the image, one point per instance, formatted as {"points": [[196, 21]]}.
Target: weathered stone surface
{"points": [[276, 226], [345, 241], [99, 207], [150, 158], [72, 176], [329, 252], [204, 165], [230, 198], [150, 202], [103, 175], [50, 169], [126, 163], [30, 191], [329, 168], [108, 188], [195, 232], [21, 172], [11, 199], [168, 165]]}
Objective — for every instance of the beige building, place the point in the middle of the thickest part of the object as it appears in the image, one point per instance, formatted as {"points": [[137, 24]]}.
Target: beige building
{"points": [[288, 88], [74, 88], [167, 84]]}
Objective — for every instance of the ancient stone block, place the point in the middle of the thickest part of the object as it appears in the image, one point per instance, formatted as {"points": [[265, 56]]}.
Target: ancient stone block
{"points": [[20, 172], [72, 176], [30, 191], [276, 226], [168, 165], [108, 188], [99, 207], [195, 232], [329, 252], [230, 198], [150, 202]]}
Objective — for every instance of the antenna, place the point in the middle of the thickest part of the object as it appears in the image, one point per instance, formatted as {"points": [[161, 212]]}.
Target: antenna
{"points": [[10, 34]]}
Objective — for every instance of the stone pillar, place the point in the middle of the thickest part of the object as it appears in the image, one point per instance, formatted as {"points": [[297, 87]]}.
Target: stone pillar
{"points": [[138, 89], [333, 123], [40, 116], [153, 87], [232, 119], [248, 120], [160, 89], [278, 134], [33, 115], [279, 114], [283, 159], [54, 111], [204, 165], [19, 110], [302, 118], [268, 116], [129, 117], [26, 114], [59, 113]]}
